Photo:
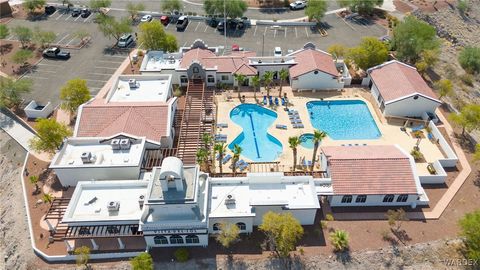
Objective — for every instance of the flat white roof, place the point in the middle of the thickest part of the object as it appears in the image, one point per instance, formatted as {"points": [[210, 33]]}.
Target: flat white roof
{"points": [[102, 153], [292, 192], [158, 61], [271, 60], [141, 88], [90, 199]]}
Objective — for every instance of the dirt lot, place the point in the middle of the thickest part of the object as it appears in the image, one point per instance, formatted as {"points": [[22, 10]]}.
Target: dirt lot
{"points": [[8, 49]]}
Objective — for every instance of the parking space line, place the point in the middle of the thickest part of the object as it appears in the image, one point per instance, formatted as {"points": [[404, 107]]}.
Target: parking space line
{"points": [[206, 27], [100, 74], [118, 56], [70, 16], [296, 35], [197, 26], [265, 32], [59, 16], [96, 80], [35, 77], [53, 13], [184, 44], [49, 65], [306, 32], [215, 30], [108, 68], [274, 33], [70, 41], [88, 18], [255, 32], [110, 62], [187, 27], [286, 30], [46, 71], [78, 17], [58, 42]]}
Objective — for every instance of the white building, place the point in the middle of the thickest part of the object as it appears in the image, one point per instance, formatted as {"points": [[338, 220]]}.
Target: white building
{"points": [[399, 90], [81, 159]]}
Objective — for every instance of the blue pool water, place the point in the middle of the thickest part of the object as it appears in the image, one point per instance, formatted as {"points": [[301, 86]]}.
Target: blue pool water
{"points": [[306, 140], [255, 141], [343, 119]]}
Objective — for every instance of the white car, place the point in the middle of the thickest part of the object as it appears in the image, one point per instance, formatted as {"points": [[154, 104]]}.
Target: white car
{"points": [[277, 52], [146, 18], [298, 5]]}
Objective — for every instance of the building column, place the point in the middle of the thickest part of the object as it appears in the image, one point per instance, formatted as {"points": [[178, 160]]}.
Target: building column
{"points": [[121, 245], [50, 227], [94, 244], [69, 247]]}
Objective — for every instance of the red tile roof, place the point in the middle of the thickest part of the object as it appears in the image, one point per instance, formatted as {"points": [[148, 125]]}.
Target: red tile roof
{"points": [[150, 121], [223, 64], [395, 80], [370, 170], [309, 60], [246, 70], [197, 54]]}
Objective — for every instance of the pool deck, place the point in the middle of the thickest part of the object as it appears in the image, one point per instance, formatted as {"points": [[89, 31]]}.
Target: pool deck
{"points": [[391, 133]]}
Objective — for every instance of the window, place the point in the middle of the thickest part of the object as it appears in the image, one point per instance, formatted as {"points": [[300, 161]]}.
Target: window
{"points": [[241, 226], [83, 231], [216, 227], [195, 70], [225, 77], [176, 239], [192, 239], [112, 229], [347, 199], [210, 79], [160, 240], [402, 198], [361, 198], [183, 79], [315, 72], [415, 97], [388, 198], [379, 98]]}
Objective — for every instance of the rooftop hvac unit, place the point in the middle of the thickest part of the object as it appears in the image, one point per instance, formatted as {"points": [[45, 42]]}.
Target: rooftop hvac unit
{"points": [[132, 83], [113, 206], [87, 157], [141, 201], [115, 143], [230, 200], [124, 144]]}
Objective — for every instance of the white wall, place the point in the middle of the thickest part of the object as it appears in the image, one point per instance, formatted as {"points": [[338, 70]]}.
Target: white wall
{"points": [[34, 114], [372, 200], [233, 220], [276, 67], [203, 238], [452, 159], [219, 78], [375, 94], [304, 216], [70, 176], [438, 178], [320, 81], [411, 107], [212, 73]]}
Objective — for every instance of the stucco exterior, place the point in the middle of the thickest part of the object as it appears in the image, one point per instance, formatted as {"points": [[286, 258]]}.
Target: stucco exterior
{"points": [[372, 200], [316, 80]]}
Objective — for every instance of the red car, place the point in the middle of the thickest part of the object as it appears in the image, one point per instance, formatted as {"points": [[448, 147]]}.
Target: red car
{"points": [[164, 20], [235, 48]]}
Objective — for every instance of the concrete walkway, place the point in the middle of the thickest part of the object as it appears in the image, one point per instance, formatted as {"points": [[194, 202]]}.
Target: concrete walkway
{"points": [[442, 204]]}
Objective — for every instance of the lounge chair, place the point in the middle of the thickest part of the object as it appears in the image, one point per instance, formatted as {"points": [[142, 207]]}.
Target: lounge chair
{"points": [[283, 101], [243, 166], [270, 101], [296, 121], [217, 156], [298, 125], [276, 101], [222, 125], [417, 128], [264, 100], [226, 158], [430, 136], [293, 116], [279, 126]]}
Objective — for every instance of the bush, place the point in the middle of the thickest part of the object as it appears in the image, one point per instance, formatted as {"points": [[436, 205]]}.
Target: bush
{"points": [[182, 255], [140, 53], [469, 59], [470, 226], [329, 217], [386, 235], [416, 154], [467, 79], [339, 240], [323, 224], [177, 92]]}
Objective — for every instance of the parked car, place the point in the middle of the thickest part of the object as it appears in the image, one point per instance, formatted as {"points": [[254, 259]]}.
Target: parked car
{"points": [[76, 12], [85, 13], [55, 52], [125, 41], [182, 23], [164, 19], [146, 18], [235, 48], [298, 5], [49, 10], [221, 26], [277, 52]]}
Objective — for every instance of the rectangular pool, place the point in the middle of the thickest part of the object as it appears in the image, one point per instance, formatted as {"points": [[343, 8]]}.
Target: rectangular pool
{"points": [[343, 119]]}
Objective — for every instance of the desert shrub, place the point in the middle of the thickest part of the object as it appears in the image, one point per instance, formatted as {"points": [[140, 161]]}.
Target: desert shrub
{"points": [[329, 217], [467, 79], [177, 91], [469, 59], [323, 224]]}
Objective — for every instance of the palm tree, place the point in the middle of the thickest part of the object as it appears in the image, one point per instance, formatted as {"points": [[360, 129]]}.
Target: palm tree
{"points": [[220, 148], [240, 80], [237, 150], [267, 81], [207, 142], [255, 84], [34, 181], [294, 142], [283, 78], [318, 136], [47, 198], [202, 158], [339, 240]]}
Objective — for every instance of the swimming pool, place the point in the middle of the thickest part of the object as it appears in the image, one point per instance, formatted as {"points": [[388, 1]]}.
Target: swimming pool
{"points": [[343, 119], [257, 144], [306, 140]]}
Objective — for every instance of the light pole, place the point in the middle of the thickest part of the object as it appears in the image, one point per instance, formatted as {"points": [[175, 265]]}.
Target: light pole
{"points": [[224, 25]]}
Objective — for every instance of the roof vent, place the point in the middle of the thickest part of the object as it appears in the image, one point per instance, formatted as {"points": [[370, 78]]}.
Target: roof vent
{"points": [[132, 83], [141, 201], [230, 200], [113, 206], [87, 157], [125, 144], [115, 143]]}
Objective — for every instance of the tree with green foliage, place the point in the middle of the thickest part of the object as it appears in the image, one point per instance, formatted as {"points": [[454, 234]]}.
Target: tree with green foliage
{"points": [[468, 118], [98, 4], [50, 135], [476, 154], [470, 229], [363, 7], [32, 5], [82, 256], [171, 5], [444, 87], [283, 74], [240, 78], [283, 232], [11, 91], [73, 94], [412, 37], [43, 38], [337, 50], [267, 80], [152, 36], [396, 218], [256, 85], [23, 34], [202, 158], [339, 240], [237, 151], [34, 181], [318, 136], [21, 57], [228, 234], [47, 198], [142, 261], [428, 58], [134, 9], [462, 6], [207, 140], [369, 53], [293, 143], [469, 59], [316, 9], [220, 148], [232, 8], [113, 28], [181, 255], [4, 32]]}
